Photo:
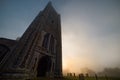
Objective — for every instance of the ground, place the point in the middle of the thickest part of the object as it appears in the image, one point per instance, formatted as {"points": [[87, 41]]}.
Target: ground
{"points": [[77, 78]]}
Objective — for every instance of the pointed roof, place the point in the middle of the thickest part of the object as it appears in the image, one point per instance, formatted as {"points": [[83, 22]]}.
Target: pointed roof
{"points": [[49, 7]]}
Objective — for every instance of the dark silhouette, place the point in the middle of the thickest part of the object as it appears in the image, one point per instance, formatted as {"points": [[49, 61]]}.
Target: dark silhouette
{"points": [[81, 77]]}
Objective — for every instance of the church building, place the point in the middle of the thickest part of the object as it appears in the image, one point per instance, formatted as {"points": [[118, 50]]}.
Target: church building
{"points": [[38, 52]]}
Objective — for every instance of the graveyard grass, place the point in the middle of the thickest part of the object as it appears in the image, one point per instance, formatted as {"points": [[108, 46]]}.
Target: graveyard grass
{"points": [[77, 78]]}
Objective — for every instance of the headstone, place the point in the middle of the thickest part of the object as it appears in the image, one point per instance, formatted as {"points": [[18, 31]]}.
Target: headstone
{"points": [[96, 77], [81, 77]]}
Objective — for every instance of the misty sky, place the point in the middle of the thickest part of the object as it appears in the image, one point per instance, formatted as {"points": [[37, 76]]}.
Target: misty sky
{"points": [[90, 29]]}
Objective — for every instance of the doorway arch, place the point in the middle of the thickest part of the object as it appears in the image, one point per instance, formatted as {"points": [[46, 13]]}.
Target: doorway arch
{"points": [[44, 66]]}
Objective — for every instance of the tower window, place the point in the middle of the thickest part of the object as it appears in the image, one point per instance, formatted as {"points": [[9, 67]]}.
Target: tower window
{"points": [[46, 40]]}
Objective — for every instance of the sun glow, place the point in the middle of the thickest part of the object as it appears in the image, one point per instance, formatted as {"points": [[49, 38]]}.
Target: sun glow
{"points": [[74, 55]]}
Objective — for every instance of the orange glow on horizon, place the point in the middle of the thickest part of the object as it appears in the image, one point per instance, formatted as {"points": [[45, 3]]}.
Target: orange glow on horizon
{"points": [[75, 65]]}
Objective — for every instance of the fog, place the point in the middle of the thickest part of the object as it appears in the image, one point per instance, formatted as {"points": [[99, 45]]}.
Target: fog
{"points": [[90, 30], [91, 35]]}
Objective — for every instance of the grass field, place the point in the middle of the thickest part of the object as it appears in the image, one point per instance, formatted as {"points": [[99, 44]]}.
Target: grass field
{"points": [[77, 78]]}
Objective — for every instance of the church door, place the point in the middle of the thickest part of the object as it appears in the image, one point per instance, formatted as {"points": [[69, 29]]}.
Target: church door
{"points": [[44, 65]]}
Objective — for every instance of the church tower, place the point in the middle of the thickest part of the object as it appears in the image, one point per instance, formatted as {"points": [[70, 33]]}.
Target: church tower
{"points": [[38, 53]]}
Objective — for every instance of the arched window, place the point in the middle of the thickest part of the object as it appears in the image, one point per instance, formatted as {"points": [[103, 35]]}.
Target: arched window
{"points": [[3, 51], [51, 46], [46, 40], [49, 42]]}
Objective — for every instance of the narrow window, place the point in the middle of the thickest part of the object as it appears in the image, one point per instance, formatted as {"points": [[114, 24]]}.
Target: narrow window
{"points": [[46, 40]]}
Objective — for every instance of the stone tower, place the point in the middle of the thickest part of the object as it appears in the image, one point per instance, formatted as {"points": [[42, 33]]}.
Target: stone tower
{"points": [[38, 53]]}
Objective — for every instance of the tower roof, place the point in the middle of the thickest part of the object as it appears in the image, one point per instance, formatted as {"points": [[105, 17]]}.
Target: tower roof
{"points": [[50, 7]]}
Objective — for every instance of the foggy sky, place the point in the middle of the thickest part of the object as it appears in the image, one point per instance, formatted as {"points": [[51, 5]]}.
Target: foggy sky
{"points": [[90, 29]]}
